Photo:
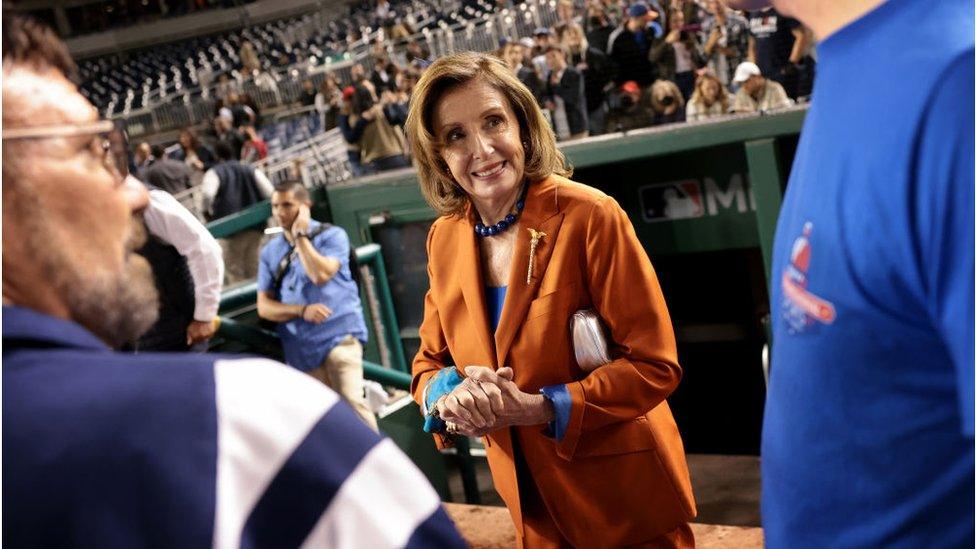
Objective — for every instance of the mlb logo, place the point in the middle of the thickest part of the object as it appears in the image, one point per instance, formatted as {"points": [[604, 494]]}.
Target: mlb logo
{"points": [[670, 201]]}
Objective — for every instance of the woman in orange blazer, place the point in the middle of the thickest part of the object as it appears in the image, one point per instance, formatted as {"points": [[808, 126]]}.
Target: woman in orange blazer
{"points": [[584, 459]]}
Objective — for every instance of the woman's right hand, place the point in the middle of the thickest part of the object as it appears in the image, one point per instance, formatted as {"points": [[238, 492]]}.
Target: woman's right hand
{"points": [[472, 407], [488, 400]]}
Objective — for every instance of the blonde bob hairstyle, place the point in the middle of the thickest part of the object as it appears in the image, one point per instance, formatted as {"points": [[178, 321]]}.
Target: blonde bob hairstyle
{"points": [[442, 193]]}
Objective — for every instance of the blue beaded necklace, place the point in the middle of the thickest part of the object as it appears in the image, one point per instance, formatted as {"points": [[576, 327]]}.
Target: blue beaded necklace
{"points": [[491, 230]]}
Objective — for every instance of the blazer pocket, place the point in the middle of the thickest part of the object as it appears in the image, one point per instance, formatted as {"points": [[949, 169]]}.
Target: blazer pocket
{"points": [[545, 304], [619, 438]]}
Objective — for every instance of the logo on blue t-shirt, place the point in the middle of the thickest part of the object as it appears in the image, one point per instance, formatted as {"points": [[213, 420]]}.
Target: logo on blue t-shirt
{"points": [[801, 309]]}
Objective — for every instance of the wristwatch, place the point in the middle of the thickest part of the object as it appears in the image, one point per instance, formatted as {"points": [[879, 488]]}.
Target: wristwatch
{"points": [[300, 234]]}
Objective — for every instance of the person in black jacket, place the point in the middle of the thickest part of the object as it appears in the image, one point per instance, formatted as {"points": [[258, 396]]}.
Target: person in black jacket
{"points": [[564, 88], [230, 187], [629, 45], [597, 74]]}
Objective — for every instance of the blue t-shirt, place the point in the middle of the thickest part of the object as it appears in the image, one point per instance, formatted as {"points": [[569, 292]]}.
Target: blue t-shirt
{"points": [[868, 432], [305, 344]]}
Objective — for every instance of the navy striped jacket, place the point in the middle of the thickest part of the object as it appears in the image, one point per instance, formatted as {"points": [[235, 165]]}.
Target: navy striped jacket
{"points": [[104, 449]]}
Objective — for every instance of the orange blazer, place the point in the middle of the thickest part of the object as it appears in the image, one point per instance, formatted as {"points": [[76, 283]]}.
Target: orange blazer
{"points": [[619, 475]]}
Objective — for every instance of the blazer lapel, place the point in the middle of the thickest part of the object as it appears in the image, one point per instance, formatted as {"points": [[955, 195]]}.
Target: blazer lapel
{"points": [[540, 214], [471, 282]]}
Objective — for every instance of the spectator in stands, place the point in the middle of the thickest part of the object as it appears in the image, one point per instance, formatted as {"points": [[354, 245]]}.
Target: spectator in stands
{"points": [[306, 285], [566, 98], [247, 101], [307, 97], [629, 45], [726, 40], [667, 105], [757, 93], [197, 156], [241, 113], [691, 11], [597, 74], [254, 147], [598, 28], [172, 176], [512, 54], [382, 145], [249, 58], [566, 13], [383, 75], [328, 101], [615, 11], [382, 12], [710, 99], [352, 124], [226, 132], [528, 46], [628, 109], [230, 187], [127, 450], [284, 60], [677, 55], [143, 158], [779, 46], [543, 38], [418, 54], [357, 73], [225, 86]]}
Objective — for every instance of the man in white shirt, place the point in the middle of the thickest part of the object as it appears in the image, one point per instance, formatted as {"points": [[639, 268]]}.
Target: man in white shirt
{"points": [[756, 92], [188, 270]]}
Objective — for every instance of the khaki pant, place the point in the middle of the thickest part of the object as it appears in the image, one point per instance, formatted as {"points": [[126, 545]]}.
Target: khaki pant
{"points": [[342, 371], [242, 252]]}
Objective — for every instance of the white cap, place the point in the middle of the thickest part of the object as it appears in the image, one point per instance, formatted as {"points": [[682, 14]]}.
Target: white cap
{"points": [[744, 71], [527, 42]]}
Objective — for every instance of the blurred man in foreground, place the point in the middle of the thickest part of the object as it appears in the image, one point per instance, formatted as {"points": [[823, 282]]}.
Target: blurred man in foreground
{"points": [[103, 449], [868, 429]]}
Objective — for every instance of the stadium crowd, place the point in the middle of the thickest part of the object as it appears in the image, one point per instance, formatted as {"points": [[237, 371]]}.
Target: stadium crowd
{"points": [[604, 66]]}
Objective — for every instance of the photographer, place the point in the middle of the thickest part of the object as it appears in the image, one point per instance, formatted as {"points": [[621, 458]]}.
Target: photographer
{"points": [[627, 110], [678, 55], [667, 104]]}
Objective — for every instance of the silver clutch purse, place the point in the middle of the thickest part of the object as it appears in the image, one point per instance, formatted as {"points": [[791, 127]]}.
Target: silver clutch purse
{"points": [[589, 343]]}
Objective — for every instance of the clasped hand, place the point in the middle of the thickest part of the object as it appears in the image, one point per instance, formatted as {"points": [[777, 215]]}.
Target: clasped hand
{"points": [[488, 400]]}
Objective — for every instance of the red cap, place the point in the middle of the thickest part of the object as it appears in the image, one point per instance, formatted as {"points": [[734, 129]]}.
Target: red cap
{"points": [[347, 93], [630, 87]]}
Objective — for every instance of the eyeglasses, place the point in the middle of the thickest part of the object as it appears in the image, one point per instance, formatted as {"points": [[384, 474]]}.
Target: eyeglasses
{"points": [[101, 144]]}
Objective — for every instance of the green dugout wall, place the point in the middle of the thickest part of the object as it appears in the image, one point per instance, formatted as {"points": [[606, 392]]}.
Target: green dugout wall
{"points": [[703, 198]]}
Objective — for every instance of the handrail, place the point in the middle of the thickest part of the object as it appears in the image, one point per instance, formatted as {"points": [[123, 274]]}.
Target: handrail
{"points": [[263, 339], [386, 330]]}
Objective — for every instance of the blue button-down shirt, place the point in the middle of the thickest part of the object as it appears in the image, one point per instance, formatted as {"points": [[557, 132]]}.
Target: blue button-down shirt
{"points": [[306, 345]]}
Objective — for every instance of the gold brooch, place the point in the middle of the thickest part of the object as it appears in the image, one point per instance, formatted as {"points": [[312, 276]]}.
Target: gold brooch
{"points": [[536, 237]]}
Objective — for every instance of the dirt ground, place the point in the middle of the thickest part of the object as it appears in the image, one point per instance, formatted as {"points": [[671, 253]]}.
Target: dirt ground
{"points": [[486, 527]]}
